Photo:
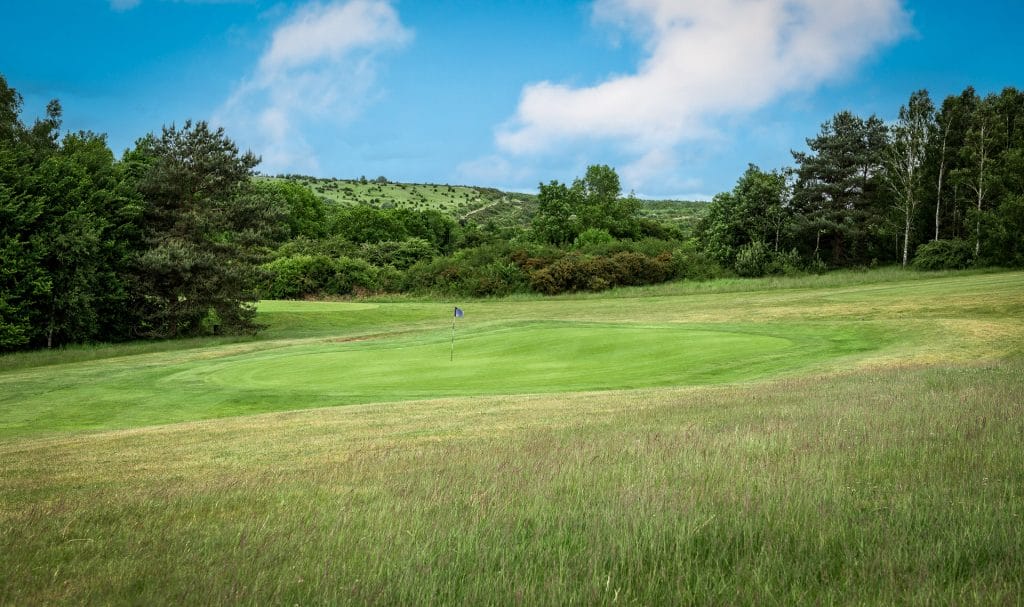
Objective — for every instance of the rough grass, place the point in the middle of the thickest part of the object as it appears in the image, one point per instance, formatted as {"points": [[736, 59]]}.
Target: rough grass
{"points": [[889, 476]]}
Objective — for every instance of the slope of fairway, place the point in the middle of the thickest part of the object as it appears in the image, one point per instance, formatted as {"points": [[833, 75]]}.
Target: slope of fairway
{"points": [[338, 353], [860, 444]]}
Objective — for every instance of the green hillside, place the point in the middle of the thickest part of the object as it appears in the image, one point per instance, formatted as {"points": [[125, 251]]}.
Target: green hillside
{"points": [[478, 204], [457, 200], [683, 214]]}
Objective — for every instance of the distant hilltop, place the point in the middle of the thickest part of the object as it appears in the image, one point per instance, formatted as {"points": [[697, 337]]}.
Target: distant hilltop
{"points": [[463, 202]]}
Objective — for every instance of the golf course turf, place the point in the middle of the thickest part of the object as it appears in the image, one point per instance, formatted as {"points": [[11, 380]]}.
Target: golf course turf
{"points": [[850, 438]]}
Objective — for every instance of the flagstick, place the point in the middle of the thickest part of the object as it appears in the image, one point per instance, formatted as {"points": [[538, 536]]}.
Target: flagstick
{"points": [[451, 357]]}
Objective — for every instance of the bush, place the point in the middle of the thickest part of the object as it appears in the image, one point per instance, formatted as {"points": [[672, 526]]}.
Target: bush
{"points": [[293, 277], [349, 275], [691, 264], [497, 278], [593, 237], [441, 274], [786, 263], [753, 259], [301, 275], [576, 272], [944, 255], [400, 254]]}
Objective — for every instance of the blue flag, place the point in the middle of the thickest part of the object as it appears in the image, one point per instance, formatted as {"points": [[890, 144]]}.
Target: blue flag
{"points": [[458, 312]]}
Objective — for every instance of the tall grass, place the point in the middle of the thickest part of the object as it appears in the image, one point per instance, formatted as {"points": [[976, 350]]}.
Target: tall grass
{"points": [[899, 486]]}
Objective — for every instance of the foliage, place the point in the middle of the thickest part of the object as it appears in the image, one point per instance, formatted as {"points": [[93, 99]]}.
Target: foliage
{"points": [[592, 202], [837, 189], [755, 211], [752, 259], [398, 254], [302, 275], [179, 233], [199, 231], [306, 213], [67, 225], [944, 255], [593, 237], [577, 272]]}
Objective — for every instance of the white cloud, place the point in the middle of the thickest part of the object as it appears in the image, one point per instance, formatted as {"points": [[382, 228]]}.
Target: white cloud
{"points": [[704, 61], [318, 68]]}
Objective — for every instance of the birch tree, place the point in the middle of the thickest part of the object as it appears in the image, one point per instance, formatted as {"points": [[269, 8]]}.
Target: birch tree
{"points": [[979, 155], [908, 144]]}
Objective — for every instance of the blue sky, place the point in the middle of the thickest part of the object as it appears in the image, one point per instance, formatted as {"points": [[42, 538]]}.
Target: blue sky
{"points": [[678, 95]]}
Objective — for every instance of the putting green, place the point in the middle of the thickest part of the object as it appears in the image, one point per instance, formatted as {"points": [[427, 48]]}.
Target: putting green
{"points": [[491, 358], [519, 358]]}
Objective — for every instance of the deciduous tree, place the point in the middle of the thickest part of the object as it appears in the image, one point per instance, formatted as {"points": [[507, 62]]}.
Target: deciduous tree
{"points": [[908, 145]]}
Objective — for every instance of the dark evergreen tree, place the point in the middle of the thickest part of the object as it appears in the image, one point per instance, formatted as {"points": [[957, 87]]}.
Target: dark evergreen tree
{"points": [[198, 231], [836, 194]]}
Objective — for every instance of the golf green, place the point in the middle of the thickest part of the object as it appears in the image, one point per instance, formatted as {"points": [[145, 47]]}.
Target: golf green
{"points": [[517, 358]]}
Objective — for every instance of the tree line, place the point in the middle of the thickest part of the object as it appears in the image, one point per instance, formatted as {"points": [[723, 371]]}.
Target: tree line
{"points": [[161, 243], [940, 187], [180, 236]]}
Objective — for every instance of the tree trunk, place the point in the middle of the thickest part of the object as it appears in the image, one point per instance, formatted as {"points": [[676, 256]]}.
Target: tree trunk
{"points": [[980, 190], [906, 239], [977, 228], [942, 171]]}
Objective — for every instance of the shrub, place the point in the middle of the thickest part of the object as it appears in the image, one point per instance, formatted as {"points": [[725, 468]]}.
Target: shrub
{"points": [[301, 275], [944, 255], [400, 254], [753, 259], [441, 274], [786, 263], [592, 237], [496, 278], [292, 277], [348, 275], [577, 272], [691, 264]]}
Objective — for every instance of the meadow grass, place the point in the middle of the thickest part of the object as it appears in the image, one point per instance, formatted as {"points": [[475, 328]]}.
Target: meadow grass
{"points": [[885, 467]]}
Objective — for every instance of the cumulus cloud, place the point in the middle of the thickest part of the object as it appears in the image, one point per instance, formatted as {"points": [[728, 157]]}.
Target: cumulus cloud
{"points": [[703, 61], [319, 67]]}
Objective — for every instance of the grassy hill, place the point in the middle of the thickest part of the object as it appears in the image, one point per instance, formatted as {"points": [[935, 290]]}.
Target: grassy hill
{"points": [[478, 204], [681, 213], [456, 200], [847, 438]]}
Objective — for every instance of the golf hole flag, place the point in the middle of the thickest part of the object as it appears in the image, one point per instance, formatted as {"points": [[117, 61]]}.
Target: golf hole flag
{"points": [[458, 314]]}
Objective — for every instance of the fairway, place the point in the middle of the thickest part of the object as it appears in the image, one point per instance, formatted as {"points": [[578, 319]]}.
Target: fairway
{"points": [[522, 358], [850, 438]]}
